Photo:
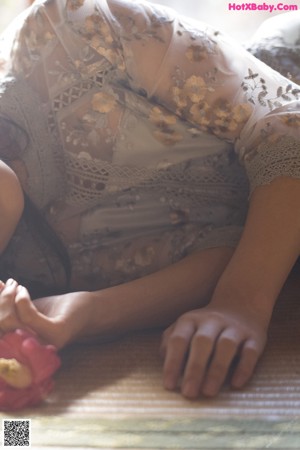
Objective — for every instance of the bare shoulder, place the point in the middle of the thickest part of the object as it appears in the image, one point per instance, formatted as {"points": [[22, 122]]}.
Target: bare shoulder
{"points": [[11, 203], [10, 187]]}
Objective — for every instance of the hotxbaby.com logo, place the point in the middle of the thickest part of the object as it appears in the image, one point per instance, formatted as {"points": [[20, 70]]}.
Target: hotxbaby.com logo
{"points": [[261, 7]]}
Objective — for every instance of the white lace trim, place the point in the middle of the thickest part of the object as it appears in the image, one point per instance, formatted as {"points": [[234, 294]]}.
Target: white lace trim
{"points": [[274, 160], [93, 181]]}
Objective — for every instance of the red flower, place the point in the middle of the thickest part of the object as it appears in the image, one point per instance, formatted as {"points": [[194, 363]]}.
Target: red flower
{"points": [[26, 367]]}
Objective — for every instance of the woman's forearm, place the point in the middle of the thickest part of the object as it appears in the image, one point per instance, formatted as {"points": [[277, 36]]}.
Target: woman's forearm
{"points": [[233, 327], [268, 249], [251, 278], [158, 299], [149, 302]]}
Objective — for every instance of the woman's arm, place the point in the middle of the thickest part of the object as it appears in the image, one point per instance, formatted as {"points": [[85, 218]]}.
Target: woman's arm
{"points": [[235, 323], [11, 204], [151, 301], [202, 343], [269, 247]]}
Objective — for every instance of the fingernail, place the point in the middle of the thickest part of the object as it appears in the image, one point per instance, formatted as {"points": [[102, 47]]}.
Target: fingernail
{"points": [[189, 390], [210, 389], [10, 281], [238, 382], [169, 383]]}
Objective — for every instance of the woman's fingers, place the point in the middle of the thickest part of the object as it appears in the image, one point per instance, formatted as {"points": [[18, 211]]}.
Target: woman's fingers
{"points": [[9, 288], [32, 318], [250, 354], [227, 346], [202, 348], [8, 318], [175, 346], [203, 345], [2, 286]]}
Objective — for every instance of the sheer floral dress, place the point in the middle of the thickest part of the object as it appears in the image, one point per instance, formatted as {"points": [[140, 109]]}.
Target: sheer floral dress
{"points": [[146, 133]]}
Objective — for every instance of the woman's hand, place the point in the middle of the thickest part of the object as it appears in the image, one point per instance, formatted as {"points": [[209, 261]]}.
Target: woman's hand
{"points": [[59, 319], [9, 319], [203, 344], [207, 345]]}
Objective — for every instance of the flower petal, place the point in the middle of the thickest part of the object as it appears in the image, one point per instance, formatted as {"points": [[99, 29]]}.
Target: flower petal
{"points": [[42, 359]]}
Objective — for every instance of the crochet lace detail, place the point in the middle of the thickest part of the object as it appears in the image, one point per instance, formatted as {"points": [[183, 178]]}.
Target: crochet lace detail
{"points": [[274, 160], [200, 182]]}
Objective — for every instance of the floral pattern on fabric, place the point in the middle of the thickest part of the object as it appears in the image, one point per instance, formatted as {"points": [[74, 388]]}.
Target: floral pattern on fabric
{"points": [[159, 123]]}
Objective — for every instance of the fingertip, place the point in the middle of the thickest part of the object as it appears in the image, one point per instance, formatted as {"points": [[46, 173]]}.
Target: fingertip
{"points": [[169, 383], [190, 390], [239, 381], [22, 294], [170, 377], [24, 305]]}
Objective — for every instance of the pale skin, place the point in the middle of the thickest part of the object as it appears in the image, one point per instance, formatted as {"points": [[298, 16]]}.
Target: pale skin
{"points": [[216, 303]]}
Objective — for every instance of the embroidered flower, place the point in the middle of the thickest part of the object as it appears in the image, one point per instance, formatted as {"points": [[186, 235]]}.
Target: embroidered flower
{"points": [[167, 137], [75, 4], [227, 118], [103, 102], [160, 118], [241, 112], [179, 97], [110, 54], [91, 23], [196, 53], [95, 26], [165, 133], [195, 88], [199, 113], [26, 368]]}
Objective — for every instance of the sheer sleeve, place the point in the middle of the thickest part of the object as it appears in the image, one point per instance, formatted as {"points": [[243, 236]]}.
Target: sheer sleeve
{"points": [[214, 84], [186, 69]]}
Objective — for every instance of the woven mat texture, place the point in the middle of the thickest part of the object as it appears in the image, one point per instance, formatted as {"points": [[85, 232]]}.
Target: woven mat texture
{"points": [[110, 396]]}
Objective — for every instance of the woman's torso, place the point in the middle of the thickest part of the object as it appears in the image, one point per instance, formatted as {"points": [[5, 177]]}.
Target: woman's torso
{"points": [[143, 187]]}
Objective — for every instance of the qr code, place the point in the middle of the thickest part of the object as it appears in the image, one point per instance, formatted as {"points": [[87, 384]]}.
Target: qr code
{"points": [[16, 433]]}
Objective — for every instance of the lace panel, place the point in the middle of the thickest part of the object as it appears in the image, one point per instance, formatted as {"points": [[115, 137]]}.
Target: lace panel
{"points": [[202, 181], [274, 160]]}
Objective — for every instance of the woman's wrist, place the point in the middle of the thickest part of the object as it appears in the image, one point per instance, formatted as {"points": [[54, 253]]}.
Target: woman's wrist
{"points": [[104, 316], [266, 253], [236, 297]]}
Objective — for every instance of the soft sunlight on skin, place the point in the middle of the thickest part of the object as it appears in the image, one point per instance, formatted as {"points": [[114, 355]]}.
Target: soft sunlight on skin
{"points": [[161, 163], [11, 206]]}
